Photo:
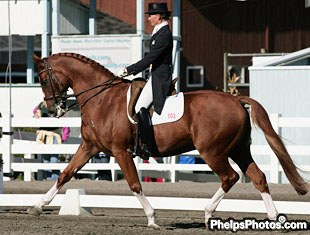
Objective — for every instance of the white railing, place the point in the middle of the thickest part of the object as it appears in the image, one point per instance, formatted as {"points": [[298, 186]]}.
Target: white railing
{"points": [[160, 203], [169, 169]]}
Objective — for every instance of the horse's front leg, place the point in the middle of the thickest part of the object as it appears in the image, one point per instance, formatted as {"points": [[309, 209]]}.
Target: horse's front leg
{"points": [[84, 153], [128, 167]]}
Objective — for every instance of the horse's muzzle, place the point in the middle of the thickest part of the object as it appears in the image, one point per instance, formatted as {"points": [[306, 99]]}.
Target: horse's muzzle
{"points": [[55, 112], [59, 111]]}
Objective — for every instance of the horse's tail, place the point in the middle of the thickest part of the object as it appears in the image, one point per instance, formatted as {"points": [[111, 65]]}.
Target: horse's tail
{"points": [[260, 118]]}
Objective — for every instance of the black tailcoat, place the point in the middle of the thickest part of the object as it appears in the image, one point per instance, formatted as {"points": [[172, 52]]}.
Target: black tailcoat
{"points": [[160, 56]]}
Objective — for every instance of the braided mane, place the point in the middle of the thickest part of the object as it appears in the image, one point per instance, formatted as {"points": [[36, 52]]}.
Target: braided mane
{"points": [[85, 60]]}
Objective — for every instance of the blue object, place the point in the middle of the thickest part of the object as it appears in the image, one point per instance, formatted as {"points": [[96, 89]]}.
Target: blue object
{"points": [[186, 160]]}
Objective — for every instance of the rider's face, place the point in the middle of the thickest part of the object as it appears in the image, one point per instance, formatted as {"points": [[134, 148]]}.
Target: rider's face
{"points": [[154, 19]]}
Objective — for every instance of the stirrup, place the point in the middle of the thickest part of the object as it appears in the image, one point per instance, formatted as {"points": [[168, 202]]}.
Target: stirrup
{"points": [[134, 151], [146, 154], [130, 150], [143, 152]]}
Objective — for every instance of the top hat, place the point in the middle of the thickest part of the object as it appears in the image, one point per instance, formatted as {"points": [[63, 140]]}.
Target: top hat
{"points": [[157, 8]]}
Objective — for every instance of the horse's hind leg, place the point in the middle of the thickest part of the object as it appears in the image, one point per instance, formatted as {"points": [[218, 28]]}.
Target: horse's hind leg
{"points": [[228, 176], [246, 163], [259, 180], [128, 167], [84, 153]]}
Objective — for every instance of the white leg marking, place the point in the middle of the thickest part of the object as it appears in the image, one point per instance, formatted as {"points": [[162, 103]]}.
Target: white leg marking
{"points": [[48, 197], [215, 200], [271, 209], [148, 210]]}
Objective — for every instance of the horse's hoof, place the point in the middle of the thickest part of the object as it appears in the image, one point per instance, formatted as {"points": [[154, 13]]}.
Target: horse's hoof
{"points": [[36, 211], [272, 217], [207, 217], [154, 226]]}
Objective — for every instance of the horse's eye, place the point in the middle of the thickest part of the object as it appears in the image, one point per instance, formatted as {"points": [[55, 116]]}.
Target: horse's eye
{"points": [[43, 82]]}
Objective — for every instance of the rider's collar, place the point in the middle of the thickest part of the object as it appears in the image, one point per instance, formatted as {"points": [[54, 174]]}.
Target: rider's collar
{"points": [[159, 26]]}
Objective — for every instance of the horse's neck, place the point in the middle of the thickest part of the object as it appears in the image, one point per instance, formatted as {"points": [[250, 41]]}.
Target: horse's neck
{"points": [[87, 79]]}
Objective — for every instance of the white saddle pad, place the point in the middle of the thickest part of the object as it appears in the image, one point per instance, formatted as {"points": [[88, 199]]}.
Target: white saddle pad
{"points": [[173, 109]]}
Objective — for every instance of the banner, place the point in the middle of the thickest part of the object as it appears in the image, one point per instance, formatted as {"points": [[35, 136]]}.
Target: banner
{"points": [[112, 51]]}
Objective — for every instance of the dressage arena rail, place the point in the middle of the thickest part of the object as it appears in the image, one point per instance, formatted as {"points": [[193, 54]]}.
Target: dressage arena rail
{"points": [[168, 169], [73, 202]]}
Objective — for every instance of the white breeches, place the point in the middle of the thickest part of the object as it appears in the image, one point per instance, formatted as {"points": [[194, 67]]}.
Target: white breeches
{"points": [[146, 97]]}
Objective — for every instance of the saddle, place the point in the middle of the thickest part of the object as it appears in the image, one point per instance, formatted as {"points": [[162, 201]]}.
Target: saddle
{"points": [[145, 145], [135, 91]]}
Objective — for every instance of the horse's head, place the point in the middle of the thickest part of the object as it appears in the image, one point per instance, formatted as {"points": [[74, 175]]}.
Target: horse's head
{"points": [[54, 86]]}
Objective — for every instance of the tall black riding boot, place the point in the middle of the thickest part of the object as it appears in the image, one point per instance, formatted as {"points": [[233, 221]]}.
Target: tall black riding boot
{"points": [[136, 149], [145, 130]]}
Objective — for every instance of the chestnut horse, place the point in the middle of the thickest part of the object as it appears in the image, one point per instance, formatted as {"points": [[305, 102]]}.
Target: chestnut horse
{"points": [[214, 123]]}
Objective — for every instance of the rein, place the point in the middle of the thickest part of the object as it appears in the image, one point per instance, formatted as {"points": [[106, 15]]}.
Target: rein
{"points": [[105, 85], [60, 98]]}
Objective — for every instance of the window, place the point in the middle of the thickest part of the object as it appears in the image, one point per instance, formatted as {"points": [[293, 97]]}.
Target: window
{"points": [[194, 76]]}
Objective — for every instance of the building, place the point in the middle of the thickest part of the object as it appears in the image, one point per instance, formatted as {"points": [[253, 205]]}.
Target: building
{"points": [[210, 28], [230, 26], [74, 16]]}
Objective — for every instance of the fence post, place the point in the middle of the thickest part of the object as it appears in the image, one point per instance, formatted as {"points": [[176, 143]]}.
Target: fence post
{"points": [[1, 176], [172, 169], [113, 171], [274, 162], [28, 156], [7, 141], [137, 161]]}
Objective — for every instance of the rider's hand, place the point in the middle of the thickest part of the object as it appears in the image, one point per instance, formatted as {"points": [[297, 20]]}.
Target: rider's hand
{"points": [[122, 72]]}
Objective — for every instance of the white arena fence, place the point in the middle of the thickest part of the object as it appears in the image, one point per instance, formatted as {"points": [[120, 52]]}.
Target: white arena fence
{"points": [[169, 169], [75, 200]]}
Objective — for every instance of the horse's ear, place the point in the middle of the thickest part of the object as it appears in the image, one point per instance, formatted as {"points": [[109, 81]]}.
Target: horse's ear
{"points": [[36, 58], [38, 62]]}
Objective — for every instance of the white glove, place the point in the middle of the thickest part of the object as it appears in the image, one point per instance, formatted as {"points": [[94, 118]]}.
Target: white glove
{"points": [[122, 72]]}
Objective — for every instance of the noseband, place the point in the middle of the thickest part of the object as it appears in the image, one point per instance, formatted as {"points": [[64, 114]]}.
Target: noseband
{"points": [[60, 98]]}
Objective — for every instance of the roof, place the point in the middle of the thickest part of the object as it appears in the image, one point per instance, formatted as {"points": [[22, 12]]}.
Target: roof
{"points": [[301, 57], [107, 24]]}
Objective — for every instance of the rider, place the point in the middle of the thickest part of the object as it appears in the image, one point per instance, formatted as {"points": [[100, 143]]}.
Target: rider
{"points": [[159, 60]]}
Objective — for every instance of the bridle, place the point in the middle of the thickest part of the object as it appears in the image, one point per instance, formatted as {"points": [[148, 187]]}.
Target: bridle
{"points": [[60, 98]]}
